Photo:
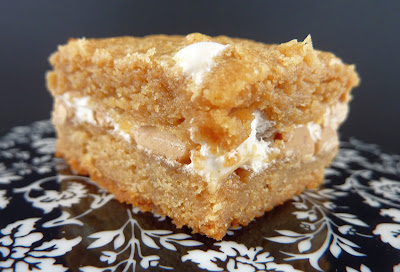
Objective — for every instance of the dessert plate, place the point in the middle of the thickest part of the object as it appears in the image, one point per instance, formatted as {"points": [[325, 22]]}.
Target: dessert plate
{"points": [[54, 220]]}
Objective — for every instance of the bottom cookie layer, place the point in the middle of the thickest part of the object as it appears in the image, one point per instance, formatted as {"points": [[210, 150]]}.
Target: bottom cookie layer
{"points": [[137, 177]]}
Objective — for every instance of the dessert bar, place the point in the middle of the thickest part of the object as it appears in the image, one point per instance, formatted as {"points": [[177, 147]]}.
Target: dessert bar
{"points": [[210, 131]]}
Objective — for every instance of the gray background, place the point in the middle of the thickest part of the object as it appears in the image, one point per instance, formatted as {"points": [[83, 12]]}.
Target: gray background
{"points": [[366, 33]]}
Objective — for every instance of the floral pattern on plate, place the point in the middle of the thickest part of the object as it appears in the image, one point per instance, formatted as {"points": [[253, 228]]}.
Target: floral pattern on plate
{"points": [[54, 220]]}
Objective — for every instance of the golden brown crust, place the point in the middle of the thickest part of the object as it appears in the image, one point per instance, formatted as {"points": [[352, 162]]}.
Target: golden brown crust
{"points": [[291, 82]]}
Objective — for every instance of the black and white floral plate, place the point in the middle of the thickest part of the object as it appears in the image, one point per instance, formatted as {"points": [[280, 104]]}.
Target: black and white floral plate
{"points": [[53, 220]]}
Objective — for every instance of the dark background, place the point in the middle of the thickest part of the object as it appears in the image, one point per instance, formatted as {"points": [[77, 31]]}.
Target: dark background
{"points": [[366, 33]]}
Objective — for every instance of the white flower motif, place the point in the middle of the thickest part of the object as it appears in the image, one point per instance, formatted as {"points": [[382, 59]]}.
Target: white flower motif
{"points": [[390, 233], [52, 199], [390, 189], [47, 200], [392, 212], [20, 249], [233, 256]]}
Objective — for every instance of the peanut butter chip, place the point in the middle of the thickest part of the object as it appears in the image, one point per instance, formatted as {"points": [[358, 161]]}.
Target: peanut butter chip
{"points": [[161, 142], [301, 144]]}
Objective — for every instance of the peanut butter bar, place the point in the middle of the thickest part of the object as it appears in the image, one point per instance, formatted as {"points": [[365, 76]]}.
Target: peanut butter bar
{"points": [[210, 131]]}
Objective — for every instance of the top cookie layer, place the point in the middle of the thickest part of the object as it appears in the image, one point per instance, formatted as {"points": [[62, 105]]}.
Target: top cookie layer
{"points": [[212, 84]]}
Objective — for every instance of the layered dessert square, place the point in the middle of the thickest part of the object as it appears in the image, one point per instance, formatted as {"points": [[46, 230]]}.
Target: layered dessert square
{"points": [[210, 131]]}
